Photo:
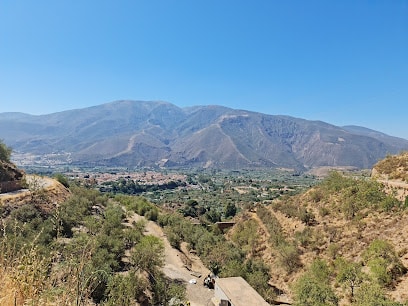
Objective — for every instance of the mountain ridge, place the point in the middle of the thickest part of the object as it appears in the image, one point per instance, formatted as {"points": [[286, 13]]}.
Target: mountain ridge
{"points": [[148, 134]]}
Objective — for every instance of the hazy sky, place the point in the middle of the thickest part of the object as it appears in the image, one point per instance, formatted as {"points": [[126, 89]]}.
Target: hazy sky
{"points": [[343, 62]]}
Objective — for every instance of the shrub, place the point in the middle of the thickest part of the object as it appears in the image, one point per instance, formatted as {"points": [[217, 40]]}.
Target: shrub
{"points": [[306, 216], [246, 235], [62, 179], [372, 294], [333, 250], [289, 257], [5, 152], [349, 274], [313, 289], [124, 289], [305, 237], [323, 211], [272, 224], [148, 254], [384, 264], [316, 195]]}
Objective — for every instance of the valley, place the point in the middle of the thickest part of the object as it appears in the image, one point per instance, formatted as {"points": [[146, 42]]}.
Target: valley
{"points": [[294, 237]]}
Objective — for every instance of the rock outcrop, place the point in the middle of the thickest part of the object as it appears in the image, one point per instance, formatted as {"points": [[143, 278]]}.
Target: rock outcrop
{"points": [[11, 178]]}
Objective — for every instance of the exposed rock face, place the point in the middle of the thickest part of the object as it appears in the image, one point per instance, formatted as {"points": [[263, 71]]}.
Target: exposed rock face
{"points": [[10, 177]]}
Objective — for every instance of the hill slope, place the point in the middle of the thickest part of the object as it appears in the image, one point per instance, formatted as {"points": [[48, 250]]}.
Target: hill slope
{"points": [[135, 133], [344, 221]]}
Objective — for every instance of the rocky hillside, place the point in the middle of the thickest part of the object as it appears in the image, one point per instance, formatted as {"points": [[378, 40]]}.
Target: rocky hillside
{"points": [[393, 167], [10, 176], [138, 134], [42, 192], [348, 227], [9, 172], [393, 173]]}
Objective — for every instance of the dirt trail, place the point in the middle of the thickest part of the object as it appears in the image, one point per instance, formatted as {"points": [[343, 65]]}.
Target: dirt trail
{"points": [[401, 188], [174, 268]]}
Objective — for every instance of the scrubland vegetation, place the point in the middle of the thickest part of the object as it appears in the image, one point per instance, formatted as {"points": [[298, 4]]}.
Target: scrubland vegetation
{"points": [[76, 254], [394, 167], [337, 267], [339, 242]]}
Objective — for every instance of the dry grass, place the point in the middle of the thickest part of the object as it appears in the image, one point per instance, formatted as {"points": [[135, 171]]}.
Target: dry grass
{"points": [[394, 167], [333, 235], [27, 275]]}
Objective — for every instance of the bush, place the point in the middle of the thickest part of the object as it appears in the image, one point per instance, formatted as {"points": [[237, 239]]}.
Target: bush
{"points": [[384, 264], [313, 289], [372, 294], [246, 235], [289, 257], [124, 289], [5, 152], [305, 237], [307, 217], [62, 179], [152, 214], [292, 210], [349, 274], [272, 224]]}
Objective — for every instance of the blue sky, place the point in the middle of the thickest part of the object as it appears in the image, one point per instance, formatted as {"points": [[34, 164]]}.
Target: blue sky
{"points": [[343, 62]]}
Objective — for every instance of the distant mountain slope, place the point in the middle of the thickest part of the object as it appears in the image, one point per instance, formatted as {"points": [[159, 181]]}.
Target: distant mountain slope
{"points": [[138, 133], [389, 140]]}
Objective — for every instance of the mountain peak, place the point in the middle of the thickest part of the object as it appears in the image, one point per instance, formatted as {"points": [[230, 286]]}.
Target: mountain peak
{"points": [[143, 133]]}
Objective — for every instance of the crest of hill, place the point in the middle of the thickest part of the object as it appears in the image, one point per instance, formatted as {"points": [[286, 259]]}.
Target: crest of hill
{"points": [[393, 167], [44, 193], [393, 173], [139, 133]]}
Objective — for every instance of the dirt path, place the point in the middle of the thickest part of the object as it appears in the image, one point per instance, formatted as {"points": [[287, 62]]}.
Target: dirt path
{"points": [[174, 268], [401, 188]]}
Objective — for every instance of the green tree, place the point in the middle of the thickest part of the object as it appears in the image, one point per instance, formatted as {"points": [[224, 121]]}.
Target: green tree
{"points": [[230, 210], [166, 290], [310, 292], [313, 289], [212, 216], [384, 264], [124, 290], [257, 275], [349, 274], [246, 235], [371, 294], [62, 179], [148, 254], [5, 152]]}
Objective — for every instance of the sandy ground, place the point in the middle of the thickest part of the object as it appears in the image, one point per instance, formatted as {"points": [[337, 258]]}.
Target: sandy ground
{"points": [[174, 268]]}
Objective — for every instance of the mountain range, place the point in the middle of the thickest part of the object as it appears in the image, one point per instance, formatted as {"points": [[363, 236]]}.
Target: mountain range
{"points": [[145, 134]]}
